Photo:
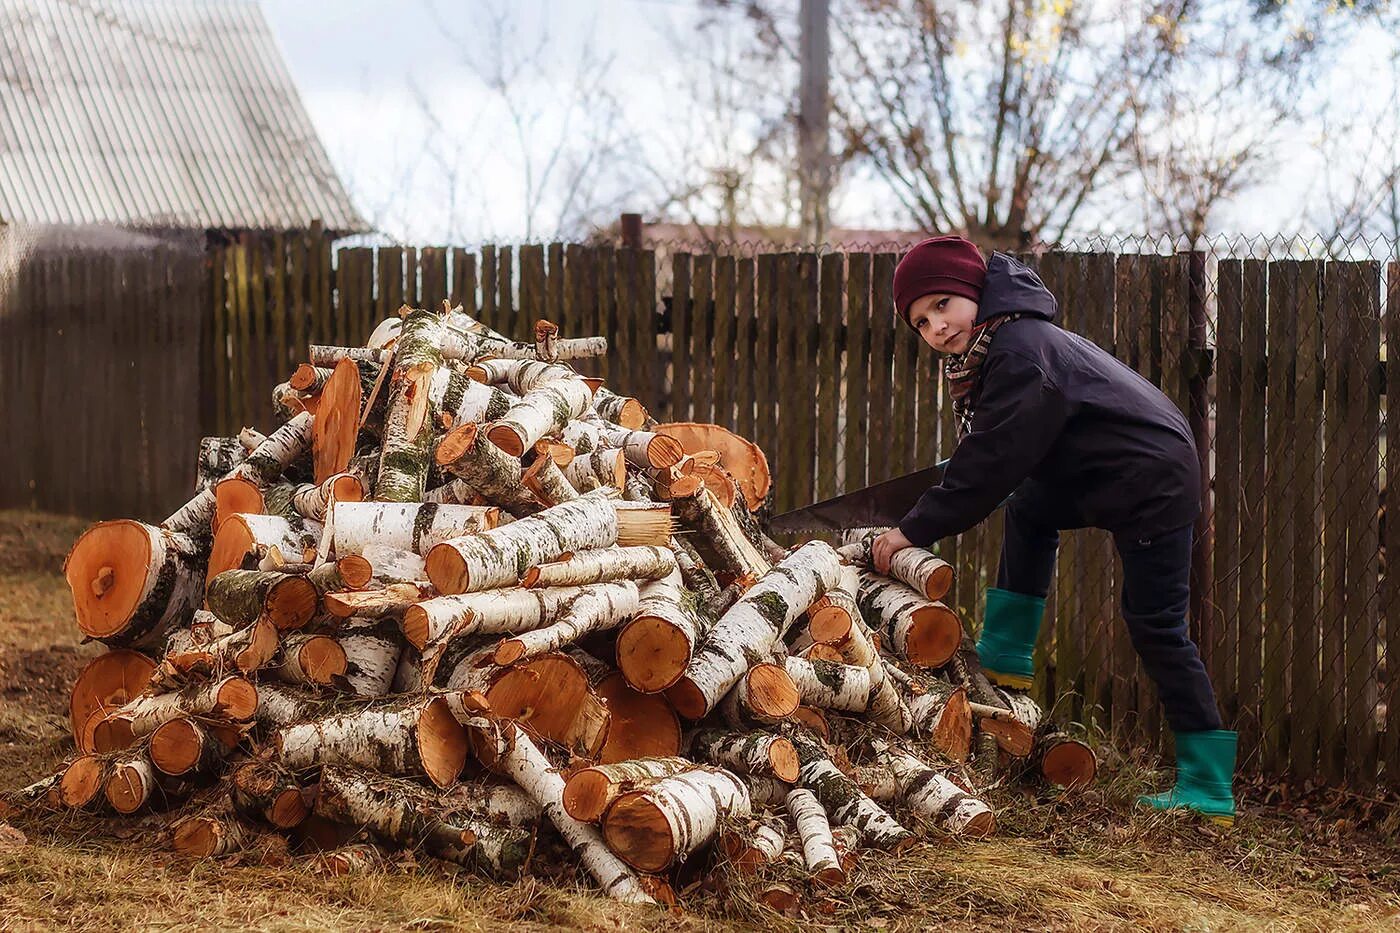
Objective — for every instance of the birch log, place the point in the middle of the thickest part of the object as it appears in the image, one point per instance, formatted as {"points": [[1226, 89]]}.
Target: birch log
{"points": [[490, 612], [919, 630], [406, 526], [310, 500], [763, 695], [941, 712], [818, 849], [217, 457], [915, 567], [760, 618], [602, 607], [494, 474], [407, 440], [844, 801], [131, 582], [465, 400], [309, 658], [517, 756], [266, 791], [545, 480], [372, 648], [589, 791], [243, 540], [757, 753], [659, 825], [395, 739], [550, 396], [932, 796], [232, 699], [619, 409], [719, 537], [184, 746], [497, 557], [241, 597], [654, 649], [243, 650], [602, 566]]}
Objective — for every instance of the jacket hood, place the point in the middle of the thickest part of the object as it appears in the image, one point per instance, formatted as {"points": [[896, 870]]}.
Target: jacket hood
{"points": [[1012, 287]]}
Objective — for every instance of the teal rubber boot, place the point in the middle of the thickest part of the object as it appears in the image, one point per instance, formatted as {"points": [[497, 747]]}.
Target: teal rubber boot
{"points": [[1009, 629], [1205, 772]]}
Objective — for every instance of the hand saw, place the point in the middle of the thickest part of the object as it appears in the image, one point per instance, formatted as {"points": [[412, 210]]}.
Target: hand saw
{"points": [[878, 506]]}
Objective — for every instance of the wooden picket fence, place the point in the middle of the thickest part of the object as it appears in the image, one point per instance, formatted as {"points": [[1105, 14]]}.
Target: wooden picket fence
{"points": [[799, 351]]}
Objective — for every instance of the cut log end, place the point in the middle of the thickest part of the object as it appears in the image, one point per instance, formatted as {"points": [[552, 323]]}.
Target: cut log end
{"points": [[939, 583], [507, 438], [934, 637], [442, 743], [772, 694], [652, 654], [1015, 738], [304, 378], [289, 808], [782, 758], [176, 746], [322, 659], [636, 829], [354, 570], [236, 496], [687, 698], [642, 725], [415, 626], [81, 782], [291, 603], [980, 826], [457, 442], [952, 734], [107, 571], [126, 789], [586, 795], [337, 421], [829, 624], [108, 681], [237, 699], [664, 451], [1070, 764], [447, 569]]}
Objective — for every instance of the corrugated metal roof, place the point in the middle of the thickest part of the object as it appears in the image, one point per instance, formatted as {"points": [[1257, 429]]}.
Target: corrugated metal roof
{"points": [[156, 113]]}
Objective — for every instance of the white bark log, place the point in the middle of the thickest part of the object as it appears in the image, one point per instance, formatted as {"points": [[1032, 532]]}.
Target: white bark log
{"points": [[544, 409], [386, 739], [654, 649], [915, 567], [760, 618], [604, 565], [830, 685], [596, 468], [903, 617], [845, 802], [931, 795], [601, 607], [589, 792], [312, 499], [372, 650], [691, 804], [818, 849], [756, 753], [135, 612], [406, 526], [519, 758], [394, 565], [504, 611], [310, 659], [497, 557], [230, 699], [465, 400]]}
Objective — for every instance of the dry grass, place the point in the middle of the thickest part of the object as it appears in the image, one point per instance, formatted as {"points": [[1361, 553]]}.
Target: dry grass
{"points": [[1091, 862]]}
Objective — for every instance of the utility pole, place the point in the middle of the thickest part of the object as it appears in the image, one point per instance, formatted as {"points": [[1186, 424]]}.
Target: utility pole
{"points": [[814, 161]]}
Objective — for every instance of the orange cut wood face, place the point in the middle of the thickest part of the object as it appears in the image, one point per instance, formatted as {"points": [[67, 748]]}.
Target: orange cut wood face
{"points": [[743, 459], [337, 421], [107, 683]]}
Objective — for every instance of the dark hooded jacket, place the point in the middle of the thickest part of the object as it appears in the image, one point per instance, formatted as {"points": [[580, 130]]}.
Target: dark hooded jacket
{"points": [[1081, 439]]}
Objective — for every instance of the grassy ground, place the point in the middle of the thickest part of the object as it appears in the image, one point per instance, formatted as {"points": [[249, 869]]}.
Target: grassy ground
{"points": [[1296, 859]]}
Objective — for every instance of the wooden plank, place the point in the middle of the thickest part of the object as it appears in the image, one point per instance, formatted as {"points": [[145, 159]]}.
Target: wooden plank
{"points": [[804, 311], [1278, 514], [286, 360], [1390, 580], [606, 295], [464, 280], [623, 355], [489, 271], [217, 342], [857, 368], [903, 437], [298, 320], [725, 319], [745, 337], [1253, 396], [505, 293], [785, 382], [432, 265], [680, 337], [828, 373], [1228, 387], [1305, 698], [702, 322], [1332, 684], [765, 361], [263, 374], [391, 296], [412, 294], [1360, 350], [532, 284], [882, 339], [320, 265], [570, 311], [645, 365], [244, 390], [1147, 331]]}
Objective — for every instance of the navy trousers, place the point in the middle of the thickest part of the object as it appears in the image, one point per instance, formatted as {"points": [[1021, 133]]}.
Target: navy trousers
{"points": [[1156, 590]]}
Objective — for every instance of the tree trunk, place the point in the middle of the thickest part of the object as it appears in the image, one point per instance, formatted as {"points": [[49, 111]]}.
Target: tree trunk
{"points": [[211, 835], [920, 631], [758, 753], [601, 467], [390, 565], [465, 400], [818, 849], [642, 448], [134, 783], [545, 480], [495, 558], [589, 791], [395, 739], [655, 827], [760, 618], [747, 849]]}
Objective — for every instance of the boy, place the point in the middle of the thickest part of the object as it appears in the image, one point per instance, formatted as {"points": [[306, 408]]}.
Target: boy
{"points": [[1083, 441]]}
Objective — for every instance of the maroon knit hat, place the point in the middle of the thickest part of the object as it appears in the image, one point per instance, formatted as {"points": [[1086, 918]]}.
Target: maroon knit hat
{"points": [[942, 265]]}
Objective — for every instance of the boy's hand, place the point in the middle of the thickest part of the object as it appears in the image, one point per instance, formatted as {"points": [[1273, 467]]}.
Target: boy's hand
{"points": [[883, 548]]}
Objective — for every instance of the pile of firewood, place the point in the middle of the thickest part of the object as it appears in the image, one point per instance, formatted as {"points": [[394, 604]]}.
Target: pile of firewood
{"points": [[461, 601]]}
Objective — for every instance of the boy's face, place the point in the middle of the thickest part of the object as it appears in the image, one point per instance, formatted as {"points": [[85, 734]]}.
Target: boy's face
{"points": [[944, 321]]}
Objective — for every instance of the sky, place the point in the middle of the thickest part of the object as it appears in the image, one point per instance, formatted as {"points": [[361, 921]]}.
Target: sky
{"points": [[397, 93]]}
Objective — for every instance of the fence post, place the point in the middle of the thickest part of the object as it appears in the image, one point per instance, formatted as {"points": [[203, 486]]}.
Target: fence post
{"points": [[1198, 368], [631, 231]]}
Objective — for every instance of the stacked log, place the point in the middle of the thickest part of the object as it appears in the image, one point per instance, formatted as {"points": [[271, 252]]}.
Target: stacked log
{"points": [[465, 599]]}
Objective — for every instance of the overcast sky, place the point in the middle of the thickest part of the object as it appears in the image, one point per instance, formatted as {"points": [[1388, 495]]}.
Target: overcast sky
{"points": [[364, 68]]}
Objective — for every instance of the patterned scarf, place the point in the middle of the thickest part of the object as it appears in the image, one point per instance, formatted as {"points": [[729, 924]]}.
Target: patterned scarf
{"points": [[962, 370]]}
